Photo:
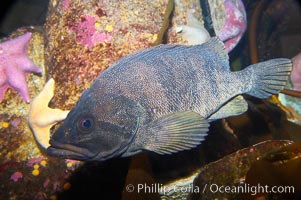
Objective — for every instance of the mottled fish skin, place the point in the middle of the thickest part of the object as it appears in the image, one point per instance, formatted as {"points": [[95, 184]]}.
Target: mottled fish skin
{"points": [[161, 99], [172, 78]]}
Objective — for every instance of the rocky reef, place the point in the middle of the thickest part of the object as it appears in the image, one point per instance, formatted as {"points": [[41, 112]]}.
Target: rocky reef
{"points": [[84, 37]]}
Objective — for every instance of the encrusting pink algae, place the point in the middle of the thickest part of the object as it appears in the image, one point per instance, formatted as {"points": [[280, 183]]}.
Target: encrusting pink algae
{"points": [[87, 34]]}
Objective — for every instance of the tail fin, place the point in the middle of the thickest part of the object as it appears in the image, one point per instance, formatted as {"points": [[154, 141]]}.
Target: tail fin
{"points": [[269, 77]]}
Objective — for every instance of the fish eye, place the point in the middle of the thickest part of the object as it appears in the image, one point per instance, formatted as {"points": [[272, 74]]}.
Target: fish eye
{"points": [[85, 124]]}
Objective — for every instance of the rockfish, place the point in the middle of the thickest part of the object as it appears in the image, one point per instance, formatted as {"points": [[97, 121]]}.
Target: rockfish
{"points": [[162, 99]]}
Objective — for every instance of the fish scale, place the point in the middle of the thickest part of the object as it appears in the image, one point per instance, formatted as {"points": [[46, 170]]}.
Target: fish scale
{"points": [[162, 99], [164, 72]]}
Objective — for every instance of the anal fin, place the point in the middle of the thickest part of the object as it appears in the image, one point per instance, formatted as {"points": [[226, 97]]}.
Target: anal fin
{"points": [[234, 107], [175, 132]]}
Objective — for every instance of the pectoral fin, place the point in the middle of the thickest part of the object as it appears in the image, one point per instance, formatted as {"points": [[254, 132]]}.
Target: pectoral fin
{"points": [[234, 107], [175, 132]]}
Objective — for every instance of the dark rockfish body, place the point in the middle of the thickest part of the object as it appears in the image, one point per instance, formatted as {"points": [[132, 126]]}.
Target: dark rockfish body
{"points": [[162, 99]]}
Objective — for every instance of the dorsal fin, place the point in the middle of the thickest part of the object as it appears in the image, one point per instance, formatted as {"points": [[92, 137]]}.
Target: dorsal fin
{"points": [[217, 46]]}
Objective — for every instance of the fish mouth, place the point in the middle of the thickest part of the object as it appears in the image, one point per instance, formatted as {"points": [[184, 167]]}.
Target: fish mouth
{"points": [[69, 151]]}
